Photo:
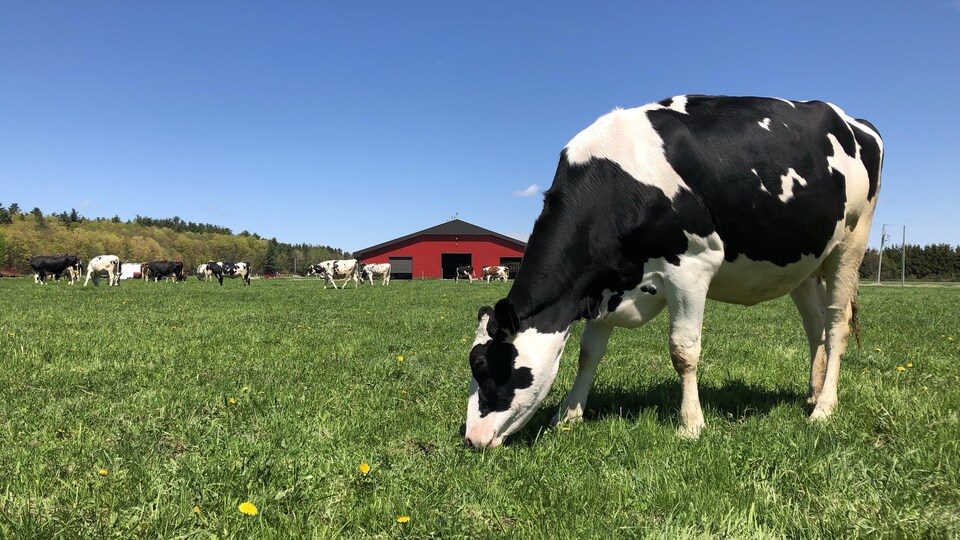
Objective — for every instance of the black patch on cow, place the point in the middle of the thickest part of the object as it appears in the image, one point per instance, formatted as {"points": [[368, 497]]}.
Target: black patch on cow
{"points": [[493, 367], [717, 144], [870, 155], [614, 301], [597, 229]]}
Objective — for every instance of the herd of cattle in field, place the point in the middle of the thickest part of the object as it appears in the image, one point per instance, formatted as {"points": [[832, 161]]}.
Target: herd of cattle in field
{"points": [[109, 266]]}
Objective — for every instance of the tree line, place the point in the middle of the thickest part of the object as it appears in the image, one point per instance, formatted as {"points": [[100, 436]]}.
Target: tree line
{"points": [[24, 234], [933, 262]]}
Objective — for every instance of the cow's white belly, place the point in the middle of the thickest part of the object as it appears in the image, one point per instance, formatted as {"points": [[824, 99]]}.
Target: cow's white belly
{"points": [[748, 282]]}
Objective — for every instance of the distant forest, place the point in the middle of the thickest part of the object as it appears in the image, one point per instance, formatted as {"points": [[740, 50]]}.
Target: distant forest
{"points": [[24, 234]]}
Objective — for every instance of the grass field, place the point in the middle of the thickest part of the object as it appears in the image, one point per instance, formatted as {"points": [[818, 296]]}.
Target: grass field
{"points": [[154, 410]]}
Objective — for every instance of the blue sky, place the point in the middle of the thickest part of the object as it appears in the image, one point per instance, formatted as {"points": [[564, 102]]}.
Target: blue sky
{"points": [[354, 123]]}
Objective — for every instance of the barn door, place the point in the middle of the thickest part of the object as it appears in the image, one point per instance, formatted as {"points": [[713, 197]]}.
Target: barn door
{"points": [[450, 261], [401, 267]]}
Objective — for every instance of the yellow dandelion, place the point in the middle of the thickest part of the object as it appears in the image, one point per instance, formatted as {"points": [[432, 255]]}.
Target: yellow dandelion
{"points": [[463, 340], [232, 401], [247, 508], [877, 349], [364, 468], [403, 519], [901, 369], [196, 509], [399, 358], [910, 364], [245, 389], [103, 472], [565, 428]]}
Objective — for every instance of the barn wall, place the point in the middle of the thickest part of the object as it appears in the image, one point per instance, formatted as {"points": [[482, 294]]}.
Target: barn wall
{"points": [[426, 251]]}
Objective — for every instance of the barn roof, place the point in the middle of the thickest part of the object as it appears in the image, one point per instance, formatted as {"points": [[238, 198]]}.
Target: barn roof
{"points": [[454, 227]]}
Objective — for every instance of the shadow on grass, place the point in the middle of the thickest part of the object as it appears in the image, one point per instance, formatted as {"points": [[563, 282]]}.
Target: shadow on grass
{"points": [[734, 401]]}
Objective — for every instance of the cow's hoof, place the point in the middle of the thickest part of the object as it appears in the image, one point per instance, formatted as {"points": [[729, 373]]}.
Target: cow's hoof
{"points": [[820, 414], [690, 433], [569, 418]]}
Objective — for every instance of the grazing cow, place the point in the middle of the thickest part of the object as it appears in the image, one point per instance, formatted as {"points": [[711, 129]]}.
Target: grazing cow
{"points": [[376, 269], [739, 200], [203, 274], [110, 264], [231, 270], [74, 272], [53, 265], [463, 272], [495, 272], [165, 269], [331, 270]]}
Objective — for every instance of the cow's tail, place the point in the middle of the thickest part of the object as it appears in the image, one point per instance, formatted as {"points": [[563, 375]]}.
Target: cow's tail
{"points": [[855, 321]]}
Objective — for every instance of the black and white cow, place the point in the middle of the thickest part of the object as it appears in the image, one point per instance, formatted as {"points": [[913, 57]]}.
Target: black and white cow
{"points": [[368, 272], [54, 265], [739, 200], [231, 270], [336, 269], [165, 269], [204, 273], [495, 272], [109, 264], [463, 272]]}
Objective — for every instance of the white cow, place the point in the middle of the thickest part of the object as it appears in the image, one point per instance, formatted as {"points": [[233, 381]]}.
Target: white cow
{"points": [[336, 269], [495, 272], [110, 264], [204, 272], [376, 269]]}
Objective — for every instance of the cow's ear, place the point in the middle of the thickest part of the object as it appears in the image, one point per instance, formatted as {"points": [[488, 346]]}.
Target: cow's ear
{"points": [[507, 316], [487, 311]]}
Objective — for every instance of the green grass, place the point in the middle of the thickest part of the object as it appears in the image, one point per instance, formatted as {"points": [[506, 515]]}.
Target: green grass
{"points": [[138, 381]]}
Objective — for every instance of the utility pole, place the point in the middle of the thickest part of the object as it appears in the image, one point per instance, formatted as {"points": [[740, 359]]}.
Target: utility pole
{"points": [[883, 239], [903, 257]]}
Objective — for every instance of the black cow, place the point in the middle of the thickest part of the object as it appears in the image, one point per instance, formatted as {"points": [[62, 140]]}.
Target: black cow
{"points": [[162, 269], [54, 265], [463, 272], [739, 200]]}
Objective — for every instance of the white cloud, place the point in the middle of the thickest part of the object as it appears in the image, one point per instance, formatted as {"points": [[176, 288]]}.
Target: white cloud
{"points": [[531, 190], [87, 204]]}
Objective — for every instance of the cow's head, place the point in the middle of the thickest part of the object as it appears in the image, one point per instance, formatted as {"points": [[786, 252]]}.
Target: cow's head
{"points": [[512, 370]]}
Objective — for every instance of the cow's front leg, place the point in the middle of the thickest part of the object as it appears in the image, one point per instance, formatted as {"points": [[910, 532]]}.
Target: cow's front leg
{"points": [[686, 303], [593, 344]]}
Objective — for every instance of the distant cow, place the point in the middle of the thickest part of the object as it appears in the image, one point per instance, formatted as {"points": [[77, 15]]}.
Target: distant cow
{"points": [[331, 270], [53, 265], [231, 270], [495, 272], [464, 272], [103, 263], [162, 269], [203, 274], [376, 269]]}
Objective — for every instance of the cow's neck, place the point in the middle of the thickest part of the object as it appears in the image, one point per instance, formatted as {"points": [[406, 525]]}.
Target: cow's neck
{"points": [[554, 287]]}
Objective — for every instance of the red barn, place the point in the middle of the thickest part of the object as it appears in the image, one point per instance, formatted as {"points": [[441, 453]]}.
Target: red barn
{"points": [[437, 252]]}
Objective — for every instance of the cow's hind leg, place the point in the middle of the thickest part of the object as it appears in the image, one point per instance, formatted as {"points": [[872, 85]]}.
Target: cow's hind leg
{"points": [[841, 271], [593, 344], [811, 301]]}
